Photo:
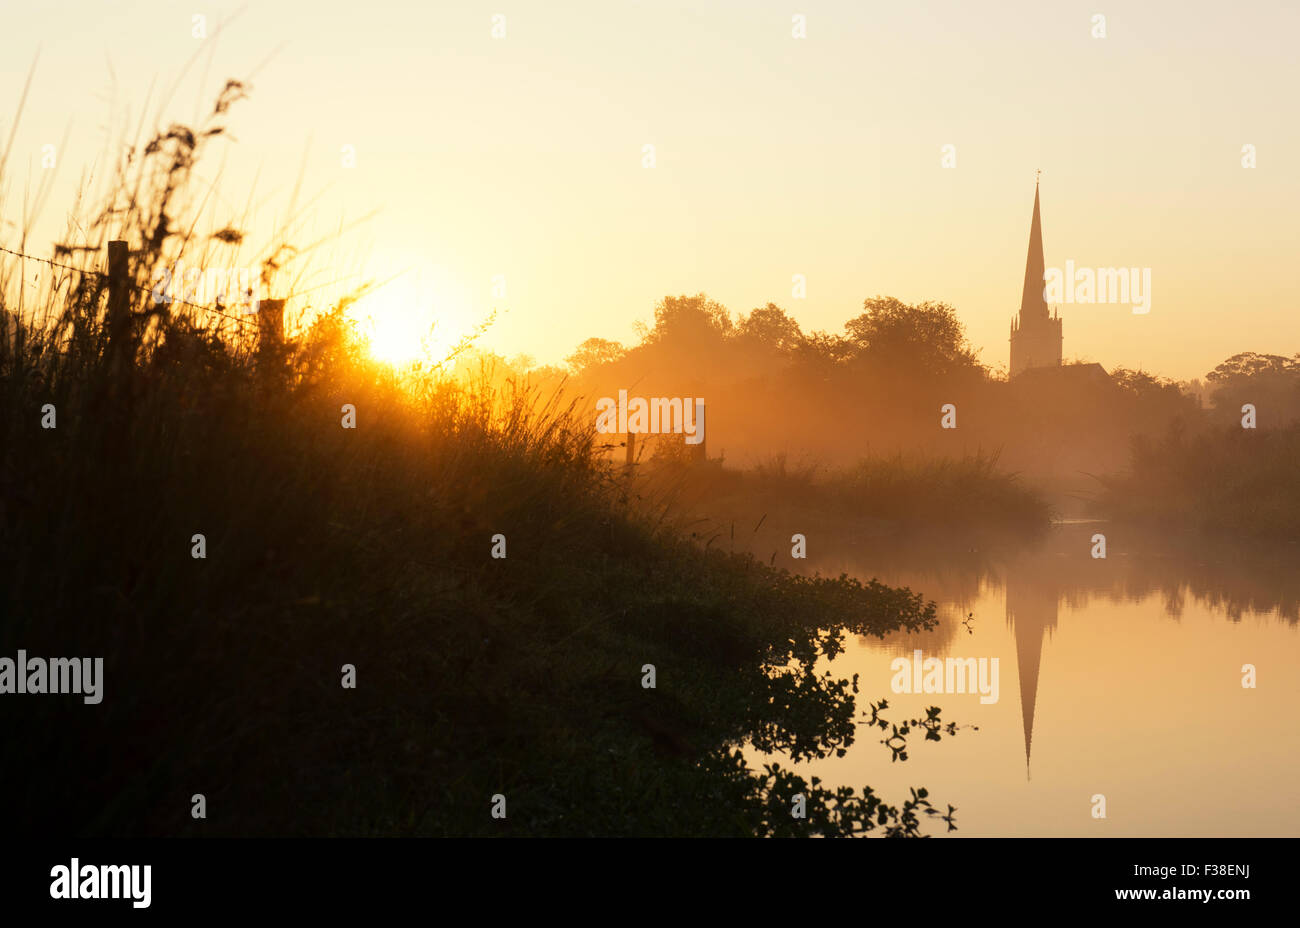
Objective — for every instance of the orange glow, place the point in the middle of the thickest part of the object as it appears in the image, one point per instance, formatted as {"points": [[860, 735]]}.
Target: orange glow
{"points": [[416, 318]]}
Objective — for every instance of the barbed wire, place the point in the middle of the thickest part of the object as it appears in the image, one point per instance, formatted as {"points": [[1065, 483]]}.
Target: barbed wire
{"points": [[169, 301], [49, 262]]}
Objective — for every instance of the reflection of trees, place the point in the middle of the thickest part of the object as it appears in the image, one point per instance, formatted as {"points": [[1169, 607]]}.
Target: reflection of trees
{"points": [[1228, 576], [804, 714], [1231, 578]]}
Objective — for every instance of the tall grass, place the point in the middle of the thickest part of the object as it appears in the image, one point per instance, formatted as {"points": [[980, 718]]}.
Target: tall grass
{"points": [[971, 490], [907, 494], [1228, 480], [371, 547]]}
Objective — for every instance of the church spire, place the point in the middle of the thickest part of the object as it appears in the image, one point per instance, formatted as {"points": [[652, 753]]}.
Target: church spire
{"points": [[1032, 303], [1036, 339]]}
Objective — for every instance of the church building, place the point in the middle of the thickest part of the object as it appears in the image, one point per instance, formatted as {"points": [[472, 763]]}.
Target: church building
{"points": [[1036, 336]]}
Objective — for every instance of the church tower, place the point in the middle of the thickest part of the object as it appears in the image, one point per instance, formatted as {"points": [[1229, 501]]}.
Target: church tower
{"points": [[1036, 334]]}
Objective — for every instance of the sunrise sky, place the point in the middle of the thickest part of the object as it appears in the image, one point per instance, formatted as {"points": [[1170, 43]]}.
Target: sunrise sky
{"points": [[522, 156]]}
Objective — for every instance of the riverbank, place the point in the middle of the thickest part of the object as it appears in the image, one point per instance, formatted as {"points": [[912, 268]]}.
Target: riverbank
{"points": [[1221, 481], [785, 513], [447, 611]]}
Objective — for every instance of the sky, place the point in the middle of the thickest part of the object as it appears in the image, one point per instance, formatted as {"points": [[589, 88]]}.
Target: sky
{"points": [[510, 173]]}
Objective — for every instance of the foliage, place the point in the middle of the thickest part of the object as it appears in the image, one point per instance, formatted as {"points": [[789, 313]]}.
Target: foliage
{"points": [[370, 546], [926, 339]]}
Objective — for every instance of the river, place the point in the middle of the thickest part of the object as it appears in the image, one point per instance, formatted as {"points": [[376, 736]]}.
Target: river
{"points": [[1120, 685]]}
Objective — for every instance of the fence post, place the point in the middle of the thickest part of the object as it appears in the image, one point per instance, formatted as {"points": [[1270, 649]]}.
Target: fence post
{"points": [[119, 301], [630, 459], [270, 324]]}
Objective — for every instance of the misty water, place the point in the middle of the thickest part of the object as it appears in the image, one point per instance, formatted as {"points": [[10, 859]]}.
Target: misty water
{"points": [[1120, 677]]}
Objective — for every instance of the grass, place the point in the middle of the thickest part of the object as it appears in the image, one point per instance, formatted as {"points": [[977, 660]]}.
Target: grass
{"points": [[941, 491], [1229, 481], [903, 495], [328, 546]]}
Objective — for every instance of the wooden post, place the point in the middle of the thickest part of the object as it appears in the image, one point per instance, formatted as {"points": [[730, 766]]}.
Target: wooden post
{"points": [[630, 458], [270, 324], [119, 302]]}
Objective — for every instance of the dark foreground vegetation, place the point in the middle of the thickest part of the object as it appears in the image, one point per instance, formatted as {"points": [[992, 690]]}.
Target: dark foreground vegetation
{"points": [[327, 546]]}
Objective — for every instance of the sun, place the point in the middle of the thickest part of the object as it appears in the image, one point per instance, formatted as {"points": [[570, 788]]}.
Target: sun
{"points": [[417, 316], [406, 322], [396, 333]]}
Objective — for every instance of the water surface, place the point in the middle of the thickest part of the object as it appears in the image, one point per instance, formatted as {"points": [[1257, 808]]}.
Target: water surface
{"points": [[1119, 677]]}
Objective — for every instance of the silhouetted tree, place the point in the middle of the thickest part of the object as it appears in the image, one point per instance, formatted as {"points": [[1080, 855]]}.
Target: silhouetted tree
{"points": [[770, 326], [1251, 364], [823, 350], [925, 339], [1270, 382], [1154, 402], [593, 352], [695, 319]]}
